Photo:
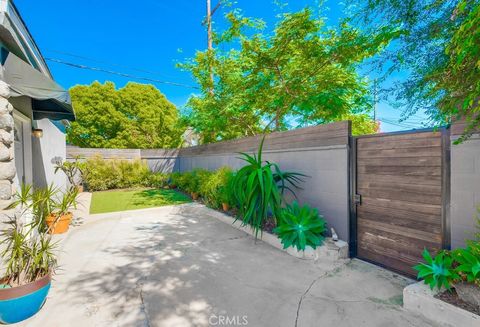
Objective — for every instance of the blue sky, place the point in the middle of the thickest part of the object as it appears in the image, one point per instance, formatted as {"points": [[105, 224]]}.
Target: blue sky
{"points": [[144, 38]]}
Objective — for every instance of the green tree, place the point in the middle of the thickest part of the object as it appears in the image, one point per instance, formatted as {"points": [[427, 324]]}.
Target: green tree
{"points": [[437, 51], [303, 72], [135, 116], [458, 81]]}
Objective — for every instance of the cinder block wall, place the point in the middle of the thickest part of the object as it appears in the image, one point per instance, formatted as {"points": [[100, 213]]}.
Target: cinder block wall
{"points": [[320, 152], [465, 186]]}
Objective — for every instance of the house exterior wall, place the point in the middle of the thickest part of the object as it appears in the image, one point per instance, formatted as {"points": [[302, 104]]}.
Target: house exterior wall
{"points": [[7, 163], [47, 152], [465, 188]]}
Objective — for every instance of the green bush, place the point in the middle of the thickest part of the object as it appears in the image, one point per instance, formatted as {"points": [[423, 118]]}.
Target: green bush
{"points": [[158, 180], [300, 226], [194, 179], [100, 174], [216, 188]]}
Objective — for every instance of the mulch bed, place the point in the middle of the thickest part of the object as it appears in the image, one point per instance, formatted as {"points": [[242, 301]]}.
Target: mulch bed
{"points": [[452, 298]]}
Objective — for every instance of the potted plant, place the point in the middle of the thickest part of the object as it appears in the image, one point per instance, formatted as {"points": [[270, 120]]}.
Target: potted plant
{"points": [[73, 171], [28, 253], [59, 219]]}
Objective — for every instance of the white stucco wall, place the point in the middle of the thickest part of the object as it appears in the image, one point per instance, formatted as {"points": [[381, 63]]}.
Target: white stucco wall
{"points": [[465, 189], [46, 151]]}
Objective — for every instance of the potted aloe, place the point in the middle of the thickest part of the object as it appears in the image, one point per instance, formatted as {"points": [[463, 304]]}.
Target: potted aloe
{"points": [[28, 254], [59, 219]]}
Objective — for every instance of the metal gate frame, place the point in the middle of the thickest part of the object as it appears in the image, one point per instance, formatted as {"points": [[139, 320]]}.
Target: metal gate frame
{"points": [[352, 166]]}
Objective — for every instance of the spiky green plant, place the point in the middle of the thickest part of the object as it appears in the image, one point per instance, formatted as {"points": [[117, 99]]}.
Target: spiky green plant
{"points": [[300, 226], [28, 253], [437, 272], [468, 260], [258, 188]]}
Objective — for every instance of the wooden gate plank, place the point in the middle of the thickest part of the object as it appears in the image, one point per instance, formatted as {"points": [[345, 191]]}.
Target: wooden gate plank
{"points": [[399, 178]]}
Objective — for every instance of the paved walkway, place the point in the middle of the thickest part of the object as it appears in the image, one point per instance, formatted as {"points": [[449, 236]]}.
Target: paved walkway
{"points": [[178, 266]]}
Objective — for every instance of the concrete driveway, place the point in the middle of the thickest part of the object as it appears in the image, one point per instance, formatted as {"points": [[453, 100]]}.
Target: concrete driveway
{"points": [[179, 266]]}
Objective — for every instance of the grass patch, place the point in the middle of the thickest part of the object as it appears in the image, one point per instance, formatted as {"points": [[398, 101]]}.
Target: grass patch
{"points": [[120, 200]]}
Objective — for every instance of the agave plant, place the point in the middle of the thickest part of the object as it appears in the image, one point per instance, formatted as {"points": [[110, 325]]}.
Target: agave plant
{"points": [[300, 226], [258, 188], [437, 272]]}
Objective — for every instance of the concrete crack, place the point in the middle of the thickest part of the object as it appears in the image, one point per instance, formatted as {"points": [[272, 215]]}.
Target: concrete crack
{"points": [[143, 307], [305, 294]]}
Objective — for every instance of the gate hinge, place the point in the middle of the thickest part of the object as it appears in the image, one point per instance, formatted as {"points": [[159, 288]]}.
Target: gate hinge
{"points": [[357, 199]]}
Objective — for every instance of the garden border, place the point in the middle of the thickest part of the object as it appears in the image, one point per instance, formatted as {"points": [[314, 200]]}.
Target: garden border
{"points": [[419, 299], [331, 251]]}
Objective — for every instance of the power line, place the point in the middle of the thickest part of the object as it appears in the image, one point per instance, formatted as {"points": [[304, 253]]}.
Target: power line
{"points": [[97, 69], [73, 55]]}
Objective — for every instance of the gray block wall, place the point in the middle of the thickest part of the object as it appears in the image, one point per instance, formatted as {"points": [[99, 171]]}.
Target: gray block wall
{"points": [[325, 188], [465, 188]]}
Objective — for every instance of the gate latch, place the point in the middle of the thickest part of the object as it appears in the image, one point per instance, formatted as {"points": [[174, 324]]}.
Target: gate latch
{"points": [[358, 199]]}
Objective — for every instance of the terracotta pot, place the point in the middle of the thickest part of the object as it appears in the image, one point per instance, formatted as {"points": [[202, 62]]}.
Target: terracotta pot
{"points": [[58, 225], [225, 206], [80, 188], [195, 195], [21, 302]]}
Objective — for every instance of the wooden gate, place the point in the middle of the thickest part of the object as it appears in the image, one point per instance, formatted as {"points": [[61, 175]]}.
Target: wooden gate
{"points": [[400, 198]]}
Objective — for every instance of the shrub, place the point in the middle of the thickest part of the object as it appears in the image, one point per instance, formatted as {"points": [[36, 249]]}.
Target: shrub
{"points": [[157, 180], [175, 179], [194, 179], [468, 260], [100, 174], [300, 226], [216, 188], [258, 188]]}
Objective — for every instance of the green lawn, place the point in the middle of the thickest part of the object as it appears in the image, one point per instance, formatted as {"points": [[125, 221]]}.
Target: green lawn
{"points": [[120, 200]]}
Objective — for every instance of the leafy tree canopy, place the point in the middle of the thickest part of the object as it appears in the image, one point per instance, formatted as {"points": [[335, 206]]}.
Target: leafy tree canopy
{"points": [[135, 116], [438, 50], [303, 72]]}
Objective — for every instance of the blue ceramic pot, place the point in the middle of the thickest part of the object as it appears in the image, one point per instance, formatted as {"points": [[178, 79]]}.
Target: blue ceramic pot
{"points": [[22, 302]]}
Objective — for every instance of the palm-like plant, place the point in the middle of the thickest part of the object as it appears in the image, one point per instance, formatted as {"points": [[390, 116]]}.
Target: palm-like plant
{"points": [[300, 226], [258, 188]]}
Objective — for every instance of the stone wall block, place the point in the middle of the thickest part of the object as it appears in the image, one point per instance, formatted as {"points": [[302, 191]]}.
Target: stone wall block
{"points": [[6, 122], [5, 153], [5, 106], [5, 190], [6, 137], [7, 170], [4, 90]]}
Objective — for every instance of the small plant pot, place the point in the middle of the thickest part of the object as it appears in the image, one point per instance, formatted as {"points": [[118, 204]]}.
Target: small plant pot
{"points": [[80, 188], [469, 293], [58, 225], [225, 206], [21, 302], [195, 195], [172, 186]]}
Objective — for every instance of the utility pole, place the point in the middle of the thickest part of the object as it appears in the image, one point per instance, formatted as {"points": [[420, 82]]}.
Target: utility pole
{"points": [[208, 22], [375, 100]]}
